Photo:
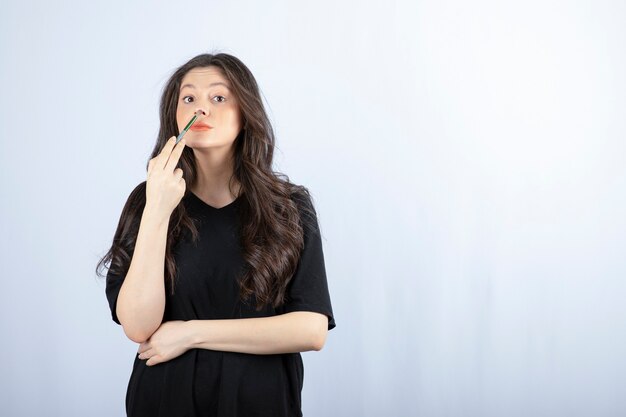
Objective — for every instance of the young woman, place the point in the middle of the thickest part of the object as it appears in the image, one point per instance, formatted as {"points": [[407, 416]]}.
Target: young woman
{"points": [[216, 267]]}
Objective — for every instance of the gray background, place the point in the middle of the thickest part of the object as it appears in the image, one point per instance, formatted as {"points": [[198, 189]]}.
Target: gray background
{"points": [[467, 162]]}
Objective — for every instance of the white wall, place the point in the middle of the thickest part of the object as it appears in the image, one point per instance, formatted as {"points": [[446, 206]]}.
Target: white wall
{"points": [[467, 161]]}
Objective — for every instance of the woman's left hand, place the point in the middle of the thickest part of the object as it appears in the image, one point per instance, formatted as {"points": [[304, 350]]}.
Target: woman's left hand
{"points": [[169, 341]]}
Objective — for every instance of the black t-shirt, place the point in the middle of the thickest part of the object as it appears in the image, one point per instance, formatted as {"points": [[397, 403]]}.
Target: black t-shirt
{"points": [[204, 382]]}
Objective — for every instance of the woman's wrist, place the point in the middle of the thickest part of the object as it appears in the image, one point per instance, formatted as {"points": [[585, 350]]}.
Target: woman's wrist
{"points": [[191, 334]]}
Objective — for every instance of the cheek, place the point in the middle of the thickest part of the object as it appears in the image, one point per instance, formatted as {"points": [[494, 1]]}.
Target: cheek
{"points": [[236, 117], [227, 118]]}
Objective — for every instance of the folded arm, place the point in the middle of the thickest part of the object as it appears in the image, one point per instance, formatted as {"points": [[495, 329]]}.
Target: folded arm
{"points": [[298, 331]]}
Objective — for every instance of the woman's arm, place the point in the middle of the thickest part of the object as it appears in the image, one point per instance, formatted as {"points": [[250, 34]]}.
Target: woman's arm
{"points": [[298, 331], [141, 300]]}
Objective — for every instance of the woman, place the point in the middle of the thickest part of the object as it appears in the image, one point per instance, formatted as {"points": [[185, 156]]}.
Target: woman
{"points": [[217, 268]]}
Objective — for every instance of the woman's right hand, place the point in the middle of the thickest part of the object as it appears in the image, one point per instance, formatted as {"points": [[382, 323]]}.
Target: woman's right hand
{"points": [[165, 186]]}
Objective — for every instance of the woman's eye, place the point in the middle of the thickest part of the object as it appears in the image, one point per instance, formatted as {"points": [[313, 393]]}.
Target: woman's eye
{"points": [[218, 97]]}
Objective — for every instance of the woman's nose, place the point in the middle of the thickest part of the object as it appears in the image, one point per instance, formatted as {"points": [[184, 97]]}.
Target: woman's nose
{"points": [[202, 110]]}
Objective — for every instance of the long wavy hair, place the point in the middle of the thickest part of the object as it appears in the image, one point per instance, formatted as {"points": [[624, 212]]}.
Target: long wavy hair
{"points": [[273, 212]]}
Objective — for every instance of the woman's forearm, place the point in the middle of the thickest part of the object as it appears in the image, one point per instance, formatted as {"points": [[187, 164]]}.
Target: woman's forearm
{"points": [[299, 331], [141, 300]]}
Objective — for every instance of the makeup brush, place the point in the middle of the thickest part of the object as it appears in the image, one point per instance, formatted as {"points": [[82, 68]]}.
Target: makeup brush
{"points": [[193, 119]]}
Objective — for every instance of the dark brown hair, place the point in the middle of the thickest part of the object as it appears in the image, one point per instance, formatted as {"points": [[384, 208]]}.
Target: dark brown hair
{"points": [[273, 212]]}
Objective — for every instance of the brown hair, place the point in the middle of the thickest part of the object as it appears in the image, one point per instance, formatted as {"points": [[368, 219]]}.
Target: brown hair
{"points": [[273, 212]]}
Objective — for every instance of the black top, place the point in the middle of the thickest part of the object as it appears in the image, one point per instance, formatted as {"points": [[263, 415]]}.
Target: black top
{"points": [[204, 382]]}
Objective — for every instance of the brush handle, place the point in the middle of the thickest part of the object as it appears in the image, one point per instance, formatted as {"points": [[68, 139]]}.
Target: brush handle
{"points": [[193, 119], [180, 136]]}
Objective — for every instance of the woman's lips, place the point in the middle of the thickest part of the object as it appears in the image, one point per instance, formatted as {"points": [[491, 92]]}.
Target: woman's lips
{"points": [[200, 127]]}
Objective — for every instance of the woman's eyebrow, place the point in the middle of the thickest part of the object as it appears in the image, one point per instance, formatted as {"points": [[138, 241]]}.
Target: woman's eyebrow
{"points": [[210, 85]]}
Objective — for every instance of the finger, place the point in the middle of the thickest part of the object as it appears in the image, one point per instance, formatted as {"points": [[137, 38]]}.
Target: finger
{"points": [[146, 353], [175, 156], [165, 153], [153, 360]]}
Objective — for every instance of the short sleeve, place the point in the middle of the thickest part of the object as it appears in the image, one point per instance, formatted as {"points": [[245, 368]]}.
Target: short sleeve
{"points": [[113, 285], [308, 288]]}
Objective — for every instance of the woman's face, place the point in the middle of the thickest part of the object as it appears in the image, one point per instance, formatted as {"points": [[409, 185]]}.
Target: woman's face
{"points": [[207, 89]]}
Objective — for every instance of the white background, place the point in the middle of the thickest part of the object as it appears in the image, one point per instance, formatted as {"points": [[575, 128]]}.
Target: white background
{"points": [[467, 161]]}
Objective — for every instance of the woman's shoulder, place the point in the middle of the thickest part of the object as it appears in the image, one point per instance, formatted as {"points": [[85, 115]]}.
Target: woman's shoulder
{"points": [[301, 195], [304, 201]]}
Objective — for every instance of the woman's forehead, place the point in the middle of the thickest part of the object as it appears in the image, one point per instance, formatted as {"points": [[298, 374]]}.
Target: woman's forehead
{"points": [[204, 77]]}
